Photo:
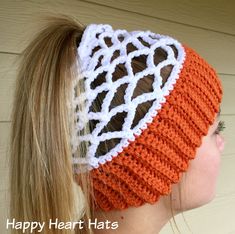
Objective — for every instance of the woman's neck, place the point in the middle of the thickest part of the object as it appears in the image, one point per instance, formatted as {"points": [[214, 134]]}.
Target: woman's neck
{"points": [[148, 219]]}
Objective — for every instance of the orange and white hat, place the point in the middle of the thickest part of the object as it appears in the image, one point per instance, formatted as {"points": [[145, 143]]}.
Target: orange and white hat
{"points": [[152, 155]]}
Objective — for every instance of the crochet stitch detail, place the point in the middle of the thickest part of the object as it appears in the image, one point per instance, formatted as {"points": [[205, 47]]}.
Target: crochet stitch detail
{"points": [[146, 169], [95, 58]]}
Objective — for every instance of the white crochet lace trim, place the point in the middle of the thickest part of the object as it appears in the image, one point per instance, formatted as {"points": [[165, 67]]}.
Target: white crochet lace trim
{"points": [[94, 36]]}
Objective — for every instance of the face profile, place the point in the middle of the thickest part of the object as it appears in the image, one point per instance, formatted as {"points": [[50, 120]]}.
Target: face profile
{"points": [[198, 185]]}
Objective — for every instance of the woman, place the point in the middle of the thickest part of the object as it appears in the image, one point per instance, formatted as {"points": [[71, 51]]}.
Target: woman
{"points": [[120, 115]]}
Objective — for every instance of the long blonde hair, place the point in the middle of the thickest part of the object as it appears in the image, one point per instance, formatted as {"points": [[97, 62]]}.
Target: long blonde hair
{"points": [[42, 182], [42, 185]]}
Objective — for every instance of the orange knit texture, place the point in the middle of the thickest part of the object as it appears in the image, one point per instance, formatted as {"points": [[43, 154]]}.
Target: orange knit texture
{"points": [[148, 167]]}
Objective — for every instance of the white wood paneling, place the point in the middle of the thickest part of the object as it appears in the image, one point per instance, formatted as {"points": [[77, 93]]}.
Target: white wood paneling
{"points": [[4, 178], [19, 22], [228, 83], [4, 149], [200, 13], [7, 79], [4, 204]]}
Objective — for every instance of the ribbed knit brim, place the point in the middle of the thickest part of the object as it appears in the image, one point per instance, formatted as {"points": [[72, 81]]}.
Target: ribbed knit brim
{"points": [[148, 167]]}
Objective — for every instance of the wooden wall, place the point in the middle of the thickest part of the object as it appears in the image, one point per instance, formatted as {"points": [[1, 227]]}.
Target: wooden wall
{"points": [[207, 26]]}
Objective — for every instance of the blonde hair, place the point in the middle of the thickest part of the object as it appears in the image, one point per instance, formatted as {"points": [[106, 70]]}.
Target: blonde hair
{"points": [[42, 183]]}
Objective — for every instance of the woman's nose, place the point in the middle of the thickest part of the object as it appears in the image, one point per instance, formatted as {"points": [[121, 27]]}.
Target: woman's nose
{"points": [[220, 142]]}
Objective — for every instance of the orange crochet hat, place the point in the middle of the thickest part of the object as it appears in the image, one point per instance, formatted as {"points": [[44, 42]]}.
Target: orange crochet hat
{"points": [[151, 156]]}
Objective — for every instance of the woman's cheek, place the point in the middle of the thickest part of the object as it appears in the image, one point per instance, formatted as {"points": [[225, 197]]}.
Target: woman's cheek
{"points": [[220, 142]]}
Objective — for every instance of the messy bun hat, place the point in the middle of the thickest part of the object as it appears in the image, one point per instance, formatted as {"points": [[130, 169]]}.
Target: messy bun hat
{"points": [[151, 154]]}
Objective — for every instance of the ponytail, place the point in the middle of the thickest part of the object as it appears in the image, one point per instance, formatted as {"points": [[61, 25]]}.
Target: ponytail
{"points": [[42, 183]]}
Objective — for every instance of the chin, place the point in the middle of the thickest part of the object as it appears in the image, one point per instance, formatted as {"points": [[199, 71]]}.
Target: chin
{"points": [[195, 201], [201, 200]]}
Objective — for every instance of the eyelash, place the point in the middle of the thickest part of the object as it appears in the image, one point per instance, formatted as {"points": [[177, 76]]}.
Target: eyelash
{"points": [[220, 127]]}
